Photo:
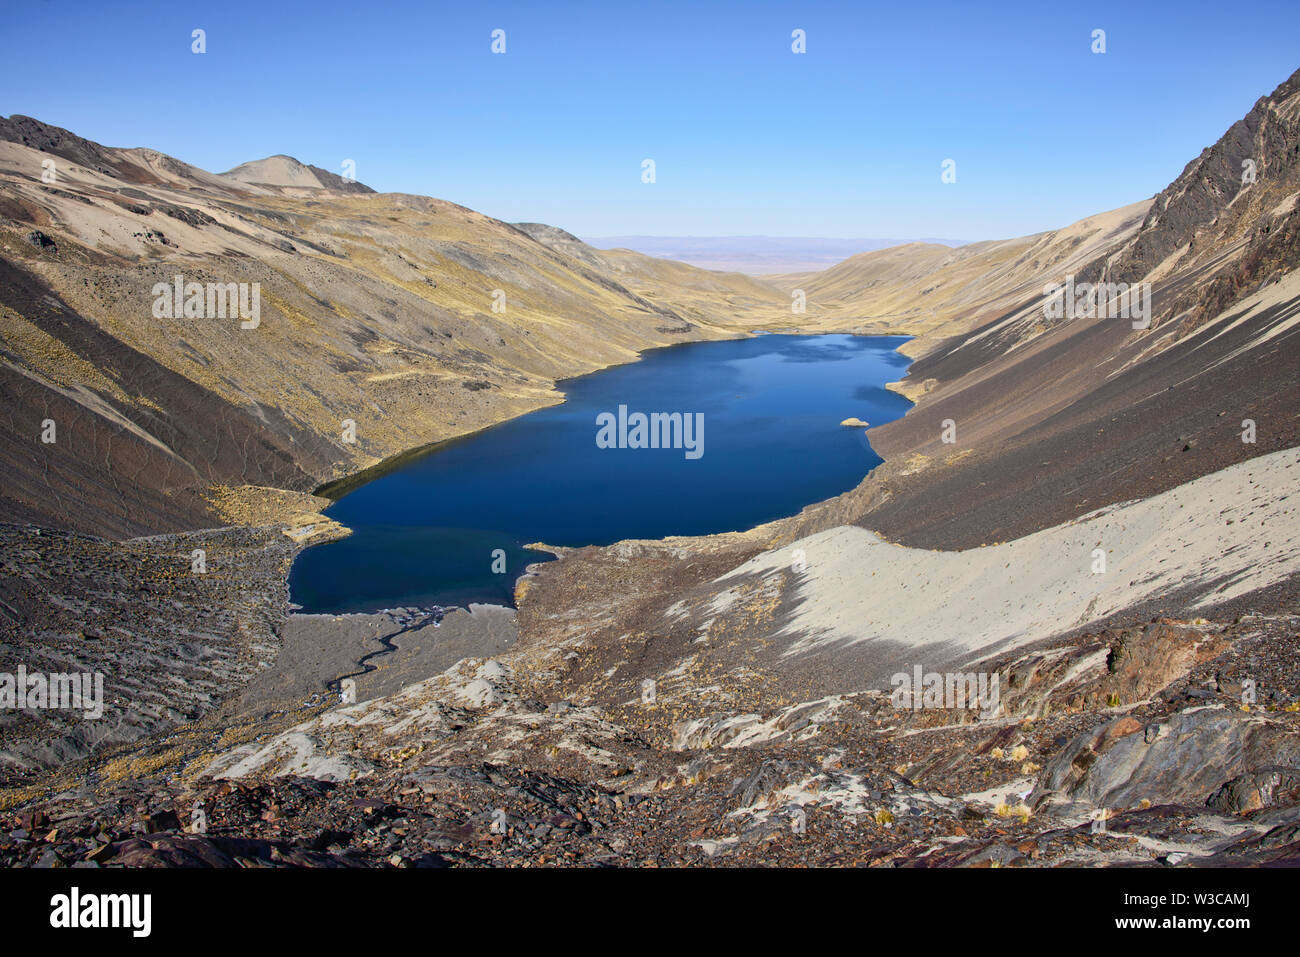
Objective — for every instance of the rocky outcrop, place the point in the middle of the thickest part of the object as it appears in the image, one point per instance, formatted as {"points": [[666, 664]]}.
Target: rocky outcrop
{"points": [[1230, 759], [1242, 190]]}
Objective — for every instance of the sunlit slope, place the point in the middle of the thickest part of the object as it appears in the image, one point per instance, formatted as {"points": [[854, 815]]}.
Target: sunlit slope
{"points": [[401, 319], [935, 291]]}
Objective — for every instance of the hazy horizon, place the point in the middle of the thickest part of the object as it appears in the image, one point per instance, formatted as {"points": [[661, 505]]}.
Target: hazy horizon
{"points": [[758, 255]]}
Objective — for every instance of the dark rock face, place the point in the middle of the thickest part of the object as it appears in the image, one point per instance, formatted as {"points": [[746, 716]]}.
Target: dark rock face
{"points": [[1216, 200], [69, 146], [40, 240], [194, 217], [1258, 790], [1273, 250], [1182, 761]]}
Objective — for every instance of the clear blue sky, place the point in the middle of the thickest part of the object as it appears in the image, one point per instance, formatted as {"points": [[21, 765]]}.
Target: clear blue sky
{"points": [[748, 137]]}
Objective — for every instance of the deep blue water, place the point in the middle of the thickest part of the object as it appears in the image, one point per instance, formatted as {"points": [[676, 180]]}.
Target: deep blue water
{"points": [[425, 532]]}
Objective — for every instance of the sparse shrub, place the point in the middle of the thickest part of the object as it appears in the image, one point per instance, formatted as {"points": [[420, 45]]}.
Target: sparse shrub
{"points": [[1020, 811]]}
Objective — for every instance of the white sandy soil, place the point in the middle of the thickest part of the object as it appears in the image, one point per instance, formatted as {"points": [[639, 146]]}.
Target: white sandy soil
{"points": [[1223, 535]]}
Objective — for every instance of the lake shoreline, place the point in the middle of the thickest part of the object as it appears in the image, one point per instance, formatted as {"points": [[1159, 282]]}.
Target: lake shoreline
{"points": [[336, 488], [859, 351]]}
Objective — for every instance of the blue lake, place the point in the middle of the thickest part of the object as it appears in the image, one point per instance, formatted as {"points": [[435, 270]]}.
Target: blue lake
{"points": [[427, 531]]}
